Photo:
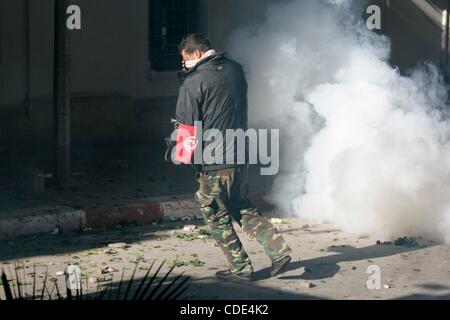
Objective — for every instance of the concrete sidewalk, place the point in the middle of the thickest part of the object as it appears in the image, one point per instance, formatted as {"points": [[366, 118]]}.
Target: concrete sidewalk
{"points": [[45, 219], [111, 186]]}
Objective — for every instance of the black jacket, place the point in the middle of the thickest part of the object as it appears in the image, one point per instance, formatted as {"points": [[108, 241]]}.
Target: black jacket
{"points": [[215, 93]]}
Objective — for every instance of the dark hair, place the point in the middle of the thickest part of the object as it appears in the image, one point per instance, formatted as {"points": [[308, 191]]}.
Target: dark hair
{"points": [[195, 41]]}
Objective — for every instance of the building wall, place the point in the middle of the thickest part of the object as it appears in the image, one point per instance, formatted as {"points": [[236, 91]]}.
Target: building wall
{"points": [[116, 96], [416, 34]]}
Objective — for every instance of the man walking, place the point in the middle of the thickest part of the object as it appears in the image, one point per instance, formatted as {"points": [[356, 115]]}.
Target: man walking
{"points": [[214, 92]]}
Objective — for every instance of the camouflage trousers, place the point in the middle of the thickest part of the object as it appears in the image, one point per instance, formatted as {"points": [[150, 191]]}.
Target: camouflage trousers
{"points": [[223, 195]]}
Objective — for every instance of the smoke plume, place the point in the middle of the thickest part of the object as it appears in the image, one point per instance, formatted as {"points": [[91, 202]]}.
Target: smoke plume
{"points": [[363, 146]]}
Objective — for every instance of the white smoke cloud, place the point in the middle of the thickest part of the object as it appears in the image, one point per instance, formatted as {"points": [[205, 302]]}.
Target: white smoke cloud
{"points": [[363, 146]]}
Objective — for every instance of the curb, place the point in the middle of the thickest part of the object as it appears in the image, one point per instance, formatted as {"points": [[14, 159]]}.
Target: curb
{"points": [[144, 211]]}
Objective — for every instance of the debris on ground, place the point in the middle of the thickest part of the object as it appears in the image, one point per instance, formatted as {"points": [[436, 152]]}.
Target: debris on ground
{"points": [[178, 263], [190, 235], [276, 221], [99, 279], [189, 228], [406, 242], [109, 251], [107, 270], [387, 286], [196, 262], [384, 243], [59, 273], [306, 285], [205, 231], [120, 245]]}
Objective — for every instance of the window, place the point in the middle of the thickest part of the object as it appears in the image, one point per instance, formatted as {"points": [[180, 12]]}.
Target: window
{"points": [[170, 21]]}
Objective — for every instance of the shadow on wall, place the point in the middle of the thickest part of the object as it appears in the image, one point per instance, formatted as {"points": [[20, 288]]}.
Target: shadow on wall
{"points": [[96, 119]]}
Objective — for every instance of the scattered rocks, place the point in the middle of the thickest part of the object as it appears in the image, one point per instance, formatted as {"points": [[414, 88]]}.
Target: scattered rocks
{"points": [[99, 279], [306, 285], [189, 228], [109, 251], [120, 245], [107, 270], [406, 242]]}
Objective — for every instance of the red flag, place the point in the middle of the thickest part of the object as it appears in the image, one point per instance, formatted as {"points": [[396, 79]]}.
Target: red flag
{"points": [[186, 143]]}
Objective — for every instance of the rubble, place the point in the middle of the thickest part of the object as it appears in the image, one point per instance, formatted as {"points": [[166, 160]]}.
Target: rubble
{"points": [[406, 242], [189, 228], [109, 251], [306, 285], [99, 279], [120, 245], [107, 270]]}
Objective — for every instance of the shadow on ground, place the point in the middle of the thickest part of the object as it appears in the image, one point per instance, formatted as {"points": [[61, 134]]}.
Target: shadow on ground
{"points": [[327, 267], [47, 245]]}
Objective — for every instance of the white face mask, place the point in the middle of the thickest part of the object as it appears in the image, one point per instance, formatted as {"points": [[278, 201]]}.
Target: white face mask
{"points": [[191, 63]]}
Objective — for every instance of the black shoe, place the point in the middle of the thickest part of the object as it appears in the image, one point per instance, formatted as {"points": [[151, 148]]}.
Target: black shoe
{"points": [[228, 275], [280, 266]]}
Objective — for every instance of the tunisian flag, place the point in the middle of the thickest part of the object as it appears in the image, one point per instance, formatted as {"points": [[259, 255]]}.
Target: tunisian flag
{"points": [[186, 144]]}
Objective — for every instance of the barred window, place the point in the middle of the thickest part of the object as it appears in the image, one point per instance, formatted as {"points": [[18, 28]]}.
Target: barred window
{"points": [[170, 21]]}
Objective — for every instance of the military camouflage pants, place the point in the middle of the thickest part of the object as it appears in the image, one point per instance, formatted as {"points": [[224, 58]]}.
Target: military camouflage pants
{"points": [[223, 195]]}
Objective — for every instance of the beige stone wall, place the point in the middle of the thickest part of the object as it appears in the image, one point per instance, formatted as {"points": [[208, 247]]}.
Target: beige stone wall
{"points": [[111, 73], [116, 95]]}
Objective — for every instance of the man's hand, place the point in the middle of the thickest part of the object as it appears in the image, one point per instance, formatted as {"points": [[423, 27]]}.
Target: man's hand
{"points": [[170, 144]]}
